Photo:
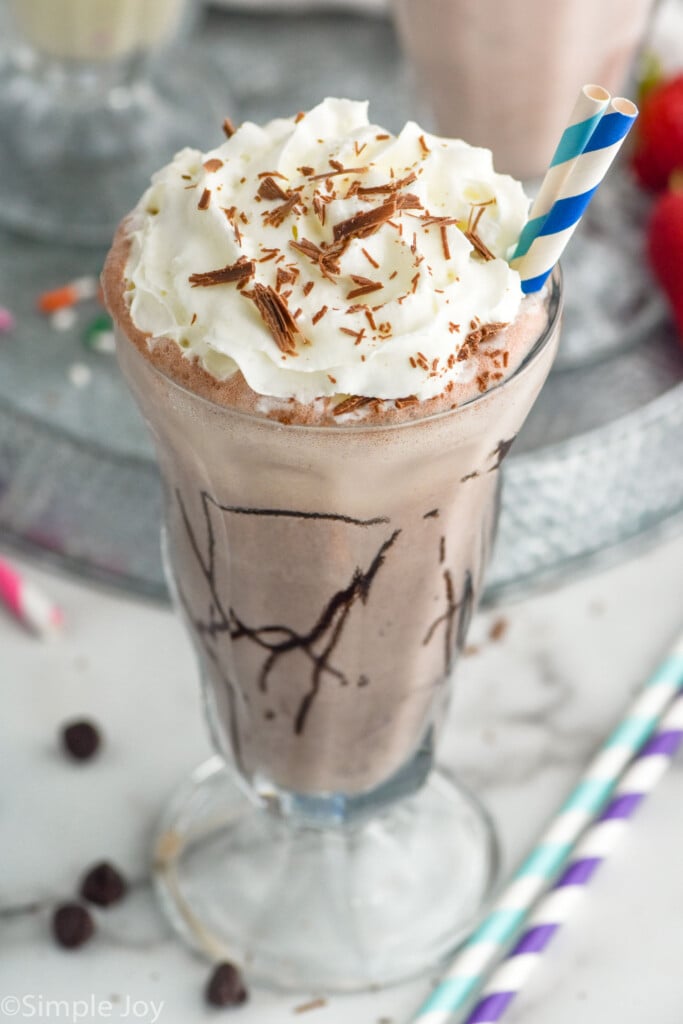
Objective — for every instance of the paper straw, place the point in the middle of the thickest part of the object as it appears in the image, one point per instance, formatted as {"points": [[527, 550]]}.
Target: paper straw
{"points": [[26, 602], [552, 852], [590, 105], [556, 908], [536, 262]]}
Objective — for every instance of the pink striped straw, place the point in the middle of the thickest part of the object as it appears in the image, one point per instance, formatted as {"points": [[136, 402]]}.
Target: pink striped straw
{"points": [[557, 906], [27, 602]]}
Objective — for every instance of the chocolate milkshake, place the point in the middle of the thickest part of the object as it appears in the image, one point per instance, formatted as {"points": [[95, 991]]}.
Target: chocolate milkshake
{"points": [[320, 326], [505, 75]]}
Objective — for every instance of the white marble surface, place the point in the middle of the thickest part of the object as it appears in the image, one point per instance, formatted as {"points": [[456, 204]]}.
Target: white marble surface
{"points": [[530, 708]]}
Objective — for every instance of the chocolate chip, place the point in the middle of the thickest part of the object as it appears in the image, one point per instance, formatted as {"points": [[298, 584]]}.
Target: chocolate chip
{"points": [[81, 740], [103, 885], [225, 986], [72, 925]]}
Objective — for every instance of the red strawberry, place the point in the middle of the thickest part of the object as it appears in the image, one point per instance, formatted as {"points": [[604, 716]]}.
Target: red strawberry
{"points": [[665, 247], [659, 134]]}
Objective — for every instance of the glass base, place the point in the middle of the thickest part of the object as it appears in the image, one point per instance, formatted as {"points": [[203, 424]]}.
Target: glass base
{"points": [[79, 148], [339, 908]]}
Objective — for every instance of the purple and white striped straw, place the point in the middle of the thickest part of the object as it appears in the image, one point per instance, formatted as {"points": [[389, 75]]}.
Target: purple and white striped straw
{"points": [[510, 912], [557, 906]]}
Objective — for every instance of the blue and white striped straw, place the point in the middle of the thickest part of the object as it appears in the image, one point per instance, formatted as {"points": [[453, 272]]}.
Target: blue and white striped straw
{"points": [[590, 105], [504, 922], [539, 250]]}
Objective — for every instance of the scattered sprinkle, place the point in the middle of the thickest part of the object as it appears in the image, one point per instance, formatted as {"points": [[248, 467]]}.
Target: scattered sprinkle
{"points": [[63, 319], [7, 320], [80, 375], [99, 334], [204, 200], [68, 295]]}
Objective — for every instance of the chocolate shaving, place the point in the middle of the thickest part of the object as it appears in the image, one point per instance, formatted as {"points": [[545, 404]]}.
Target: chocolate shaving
{"points": [[408, 201], [338, 170], [308, 287], [391, 186], [351, 403], [276, 316], [276, 216], [370, 259], [401, 403], [306, 170], [231, 213], [480, 247], [444, 242], [319, 206], [205, 199], [367, 222], [365, 289], [214, 164], [272, 174], [239, 271], [356, 335], [471, 232], [229, 128], [319, 315], [325, 256], [269, 189], [284, 276]]}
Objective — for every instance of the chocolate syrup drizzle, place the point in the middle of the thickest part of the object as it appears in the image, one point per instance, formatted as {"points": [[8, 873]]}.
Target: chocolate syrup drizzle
{"points": [[319, 642], [279, 640]]}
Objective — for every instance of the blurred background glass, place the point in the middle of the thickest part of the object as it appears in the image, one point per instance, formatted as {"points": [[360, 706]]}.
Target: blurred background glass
{"points": [[93, 99], [505, 75]]}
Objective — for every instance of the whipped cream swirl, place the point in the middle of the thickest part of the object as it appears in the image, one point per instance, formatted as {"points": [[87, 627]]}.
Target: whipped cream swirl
{"points": [[320, 255]]}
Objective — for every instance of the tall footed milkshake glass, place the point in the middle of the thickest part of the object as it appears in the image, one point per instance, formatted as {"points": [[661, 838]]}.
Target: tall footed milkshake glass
{"points": [[326, 550], [327, 577]]}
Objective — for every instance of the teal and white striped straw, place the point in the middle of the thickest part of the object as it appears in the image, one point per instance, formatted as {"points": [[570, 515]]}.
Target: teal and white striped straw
{"points": [[502, 925], [539, 248], [590, 105]]}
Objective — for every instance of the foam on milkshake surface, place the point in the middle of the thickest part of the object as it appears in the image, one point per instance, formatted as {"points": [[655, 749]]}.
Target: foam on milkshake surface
{"points": [[322, 259]]}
